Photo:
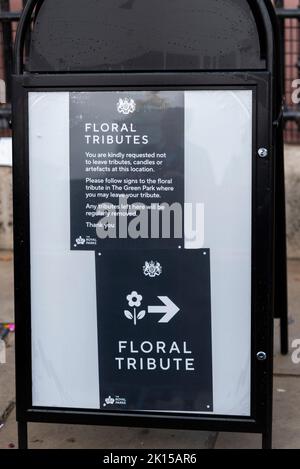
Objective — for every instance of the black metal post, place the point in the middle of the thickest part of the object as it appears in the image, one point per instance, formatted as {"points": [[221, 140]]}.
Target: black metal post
{"points": [[27, 40], [7, 17], [267, 440], [281, 21], [281, 293], [23, 435], [268, 384]]}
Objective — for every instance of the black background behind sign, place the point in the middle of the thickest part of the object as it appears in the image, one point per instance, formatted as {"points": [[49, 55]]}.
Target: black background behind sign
{"points": [[160, 117]]}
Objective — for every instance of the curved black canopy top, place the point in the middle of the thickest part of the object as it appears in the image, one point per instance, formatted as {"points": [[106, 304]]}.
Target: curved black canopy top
{"points": [[146, 35]]}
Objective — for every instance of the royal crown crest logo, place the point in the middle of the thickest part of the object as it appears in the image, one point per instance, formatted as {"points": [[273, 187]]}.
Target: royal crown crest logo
{"points": [[152, 269], [126, 106]]}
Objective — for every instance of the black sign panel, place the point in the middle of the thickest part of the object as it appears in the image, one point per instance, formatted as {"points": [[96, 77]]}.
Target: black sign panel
{"points": [[154, 326], [126, 162], [153, 296]]}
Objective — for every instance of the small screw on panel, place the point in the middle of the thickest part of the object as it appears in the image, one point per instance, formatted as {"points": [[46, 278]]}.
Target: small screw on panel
{"points": [[261, 356], [263, 152]]}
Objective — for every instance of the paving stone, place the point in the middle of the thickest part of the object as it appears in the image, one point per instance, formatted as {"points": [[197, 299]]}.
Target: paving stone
{"points": [[292, 177], [286, 426], [285, 365], [6, 287], [7, 378], [7, 370], [50, 436], [6, 209]]}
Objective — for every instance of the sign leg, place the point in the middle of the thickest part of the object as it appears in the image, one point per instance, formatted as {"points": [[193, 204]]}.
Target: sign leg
{"points": [[22, 435], [281, 291], [284, 335], [267, 439]]}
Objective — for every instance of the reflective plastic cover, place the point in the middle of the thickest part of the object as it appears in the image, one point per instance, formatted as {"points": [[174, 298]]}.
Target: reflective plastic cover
{"points": [[137, 35], [69, 311]]}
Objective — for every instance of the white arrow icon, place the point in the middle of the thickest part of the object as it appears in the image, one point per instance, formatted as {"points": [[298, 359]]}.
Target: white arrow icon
{"points": [[169, 309]]}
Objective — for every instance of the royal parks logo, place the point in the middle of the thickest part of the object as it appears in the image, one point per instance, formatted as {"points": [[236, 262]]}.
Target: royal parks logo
{"points": [[126, 106], [113, 401]]}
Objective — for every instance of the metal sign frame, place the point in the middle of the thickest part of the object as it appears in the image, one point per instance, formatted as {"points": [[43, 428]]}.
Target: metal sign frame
{"points": [[263, 219]]}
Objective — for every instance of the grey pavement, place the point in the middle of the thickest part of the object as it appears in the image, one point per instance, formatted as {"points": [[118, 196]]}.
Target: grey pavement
{"points": [[292, 178], [44, 436]]}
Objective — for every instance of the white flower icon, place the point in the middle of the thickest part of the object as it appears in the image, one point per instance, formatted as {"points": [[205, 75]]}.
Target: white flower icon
{"points": [[134, 299]]}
